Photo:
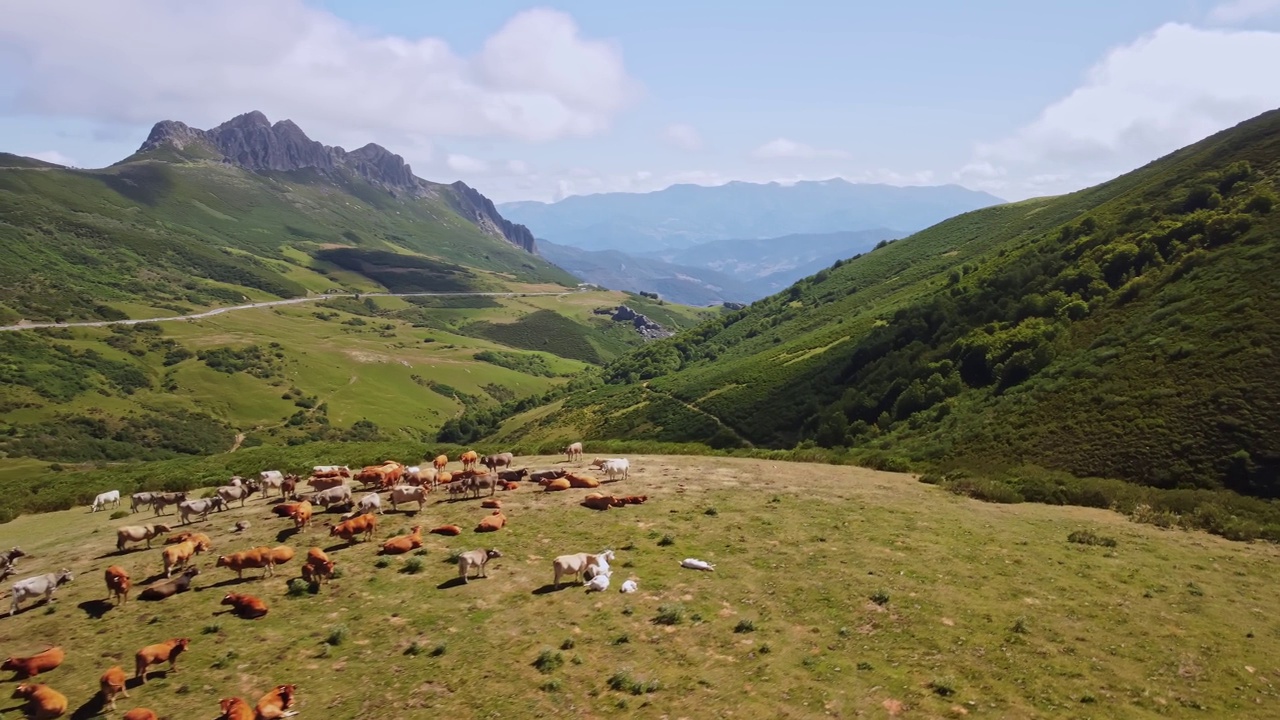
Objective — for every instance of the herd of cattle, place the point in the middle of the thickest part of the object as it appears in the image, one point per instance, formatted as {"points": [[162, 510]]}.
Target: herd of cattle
{"points": [[329, 488]]}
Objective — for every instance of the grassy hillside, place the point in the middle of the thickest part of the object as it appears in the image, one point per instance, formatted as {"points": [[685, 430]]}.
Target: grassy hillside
{"points": [[1122, 331], [175, 233], [970, 609]]}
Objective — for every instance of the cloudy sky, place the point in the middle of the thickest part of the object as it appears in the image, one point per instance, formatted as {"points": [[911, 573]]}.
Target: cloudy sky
{"points": [[532, 101]]}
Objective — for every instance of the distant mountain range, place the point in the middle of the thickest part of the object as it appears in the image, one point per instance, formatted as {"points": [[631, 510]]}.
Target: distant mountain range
{"points": [[682, 216], [716, 271]]}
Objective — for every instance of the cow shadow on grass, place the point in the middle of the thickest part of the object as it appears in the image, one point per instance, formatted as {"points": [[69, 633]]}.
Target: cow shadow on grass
{"points": [[93, 707], [456, 582], [95, 609], [118, 553], [286, 533], [551, 588], [228, 582]]}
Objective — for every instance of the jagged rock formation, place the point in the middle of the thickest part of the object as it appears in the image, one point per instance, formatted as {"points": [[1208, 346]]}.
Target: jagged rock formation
{"points": [[643, 325], [252, 142]]}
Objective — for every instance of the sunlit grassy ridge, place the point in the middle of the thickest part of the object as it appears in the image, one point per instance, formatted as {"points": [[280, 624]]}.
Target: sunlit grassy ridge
{"points": [[836, 590]]}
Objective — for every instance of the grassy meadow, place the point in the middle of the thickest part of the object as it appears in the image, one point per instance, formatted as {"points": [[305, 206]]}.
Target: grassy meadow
{"points": [[838, 591]]}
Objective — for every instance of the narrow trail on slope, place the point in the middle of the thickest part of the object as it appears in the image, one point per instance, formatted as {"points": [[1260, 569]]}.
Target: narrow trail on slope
{"points": [[698, 411], [236, 445], [271, 303]]}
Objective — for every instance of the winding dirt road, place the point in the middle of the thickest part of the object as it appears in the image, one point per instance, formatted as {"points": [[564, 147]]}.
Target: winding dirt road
{"points": [[271, 303]]}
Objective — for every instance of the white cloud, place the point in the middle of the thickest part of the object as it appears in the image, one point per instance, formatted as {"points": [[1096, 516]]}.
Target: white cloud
{"points": [[137, 61], [1238, 11], [466, 164], [52, 156], [1165, 90], [683, 137], [783, 148]]}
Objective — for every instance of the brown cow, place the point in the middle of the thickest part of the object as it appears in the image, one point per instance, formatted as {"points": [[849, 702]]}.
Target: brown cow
{"points": [[276, 703], [169, 650], [318, 567], [301, 515], [43, 702], [141, 714], [176, 556], [234, 708], [573, 451], [117, 584], [247, 607], [555, 485], [169, 588], [259, 557], [441, 462], [364, 525], [469, 460], [29, 667], [582, 481], [112, 684], [493, 523], [446, 530], [401, 544], [285, 509], [281, 555]]}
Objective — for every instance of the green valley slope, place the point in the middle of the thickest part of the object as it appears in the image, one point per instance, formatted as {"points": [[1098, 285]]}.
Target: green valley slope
{"points": [[1125, 331]]}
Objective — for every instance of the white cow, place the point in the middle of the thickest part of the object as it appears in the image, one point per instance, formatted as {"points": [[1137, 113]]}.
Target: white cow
{"points": [[271, 479], [187, 508], [408, 494], [628, 587], [577, 563], [475, 559], [369, 503], [111, 496], [617, 468], [599, 583], [695, 564], [38, 585], [340, 495], [228, 493]]}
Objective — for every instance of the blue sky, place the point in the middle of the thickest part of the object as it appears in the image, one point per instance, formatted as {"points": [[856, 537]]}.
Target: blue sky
{"points": [[536, 101]]}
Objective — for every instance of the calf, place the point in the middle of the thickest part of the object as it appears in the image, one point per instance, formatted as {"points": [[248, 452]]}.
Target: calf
{"points": [[276, 703], [100, 502], [446, 530], [167, 651], [169, 588], [159, 501], [475, 559], [29, 667], [408, 494], [117, 584], [246, 607], [403, 543], [43, 702], [363, 525], [39, 585], [112, 685], [301, 515], [259, 557], [187, 508], [577, 563], [176, 556], [493, 523], [138, 533]]}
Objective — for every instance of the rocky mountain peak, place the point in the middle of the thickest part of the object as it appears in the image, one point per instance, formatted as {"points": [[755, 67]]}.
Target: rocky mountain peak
{"points": [[477, 208]]}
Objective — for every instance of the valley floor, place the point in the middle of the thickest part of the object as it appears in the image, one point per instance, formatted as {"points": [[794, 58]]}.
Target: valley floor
{"points": [[837, 592]]}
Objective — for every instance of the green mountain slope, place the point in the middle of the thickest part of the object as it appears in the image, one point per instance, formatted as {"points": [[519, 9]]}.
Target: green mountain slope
{"points": [[1127, 331]]}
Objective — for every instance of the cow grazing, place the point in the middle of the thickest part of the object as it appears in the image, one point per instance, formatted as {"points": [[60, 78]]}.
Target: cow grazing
{"points": [[231, 493], [111, 497], [493, 523], [187, 508], [259, 557], [573, 452], [340, 495], [169, 588], [176, 556], [446, 530], [140, 500], [38, 585], [348, 529], [407, 494], [318, 566], [140, 714], [167, 651], [138, 533], [276, 703], [234, 708], [29, 667], [499, 460], [577, 563], [43, 702], [301, 515], [469, 460], [415, 475], [246, 607], [458, 489], [112, 685], [117, 580], [160, 501], [401, 544], [475, 559], [616, 469]]}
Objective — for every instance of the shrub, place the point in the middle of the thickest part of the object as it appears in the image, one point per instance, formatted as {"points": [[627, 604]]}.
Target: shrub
{"points": [[567, 644], [669, 615], [1019, 626], [415, 649], [666, 541], [297, 587], [880, 598], [412, 566], [548, 661], [943, 687], [1088, 537], [118, 514], [336, 635], [212, 629], [745, 626], [623, 682]]}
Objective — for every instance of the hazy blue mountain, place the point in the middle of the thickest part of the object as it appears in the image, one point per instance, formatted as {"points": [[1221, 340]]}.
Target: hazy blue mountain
{"points": [[781, 260], [682, 216], [616, 270]]}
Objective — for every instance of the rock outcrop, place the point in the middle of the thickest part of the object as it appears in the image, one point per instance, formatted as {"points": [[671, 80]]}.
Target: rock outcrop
{"points": [[252, 142], [643, 325]]}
